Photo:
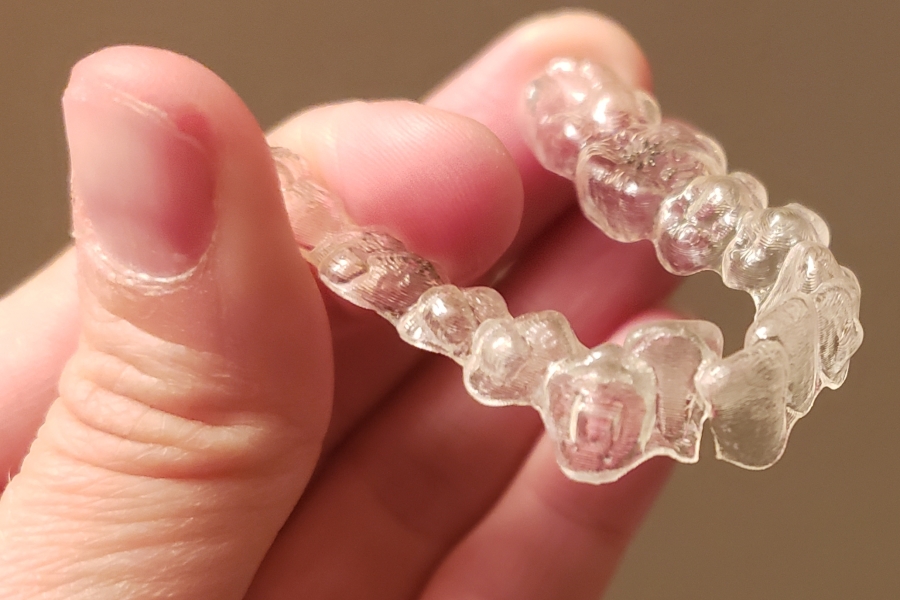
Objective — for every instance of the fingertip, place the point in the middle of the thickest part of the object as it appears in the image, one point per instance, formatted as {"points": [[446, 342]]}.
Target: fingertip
{"points": [[490, 89], [146, 193], [190, 95], [584, 33], [441, 182], [148, 72], [524, 50], [188, 100]]}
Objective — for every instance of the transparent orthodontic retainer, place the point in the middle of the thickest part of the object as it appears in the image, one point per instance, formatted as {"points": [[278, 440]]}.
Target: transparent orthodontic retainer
{"points": [[638, 176]]}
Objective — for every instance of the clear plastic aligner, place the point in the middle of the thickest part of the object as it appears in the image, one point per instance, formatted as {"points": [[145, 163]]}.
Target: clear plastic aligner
{"points": [[375, 271], [369, 269], [677, 351], [600, 412], [575, 101], [638, 176], [617, 406], [445, 318], [510, 357], [754, 257], [316, 214], [792, 323], [812, 271], [623, 178], [748, 392], [694, 227]]}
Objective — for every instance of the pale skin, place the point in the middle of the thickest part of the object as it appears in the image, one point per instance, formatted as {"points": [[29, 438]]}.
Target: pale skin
{"points": [[237, 433]]}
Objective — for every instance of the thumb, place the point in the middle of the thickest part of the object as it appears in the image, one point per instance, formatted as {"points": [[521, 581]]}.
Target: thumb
{"points": [[191, 415]]}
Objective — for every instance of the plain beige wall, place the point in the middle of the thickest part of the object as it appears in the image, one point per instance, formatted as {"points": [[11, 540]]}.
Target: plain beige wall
{"points": [[803, 94]]}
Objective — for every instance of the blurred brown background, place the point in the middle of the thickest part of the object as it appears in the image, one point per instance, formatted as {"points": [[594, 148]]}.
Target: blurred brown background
{"points": [[802, 93]]}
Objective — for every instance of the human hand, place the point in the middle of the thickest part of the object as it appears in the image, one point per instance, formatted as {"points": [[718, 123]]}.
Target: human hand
{"points": [[196, 449]]}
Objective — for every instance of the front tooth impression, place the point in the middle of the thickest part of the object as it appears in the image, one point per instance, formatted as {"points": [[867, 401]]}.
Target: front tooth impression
{"points": [[675, 350], [599, 411], [748, 392]]}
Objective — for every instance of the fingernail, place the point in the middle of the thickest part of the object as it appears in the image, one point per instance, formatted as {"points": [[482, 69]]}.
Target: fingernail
{"points": [[143, 184]]}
